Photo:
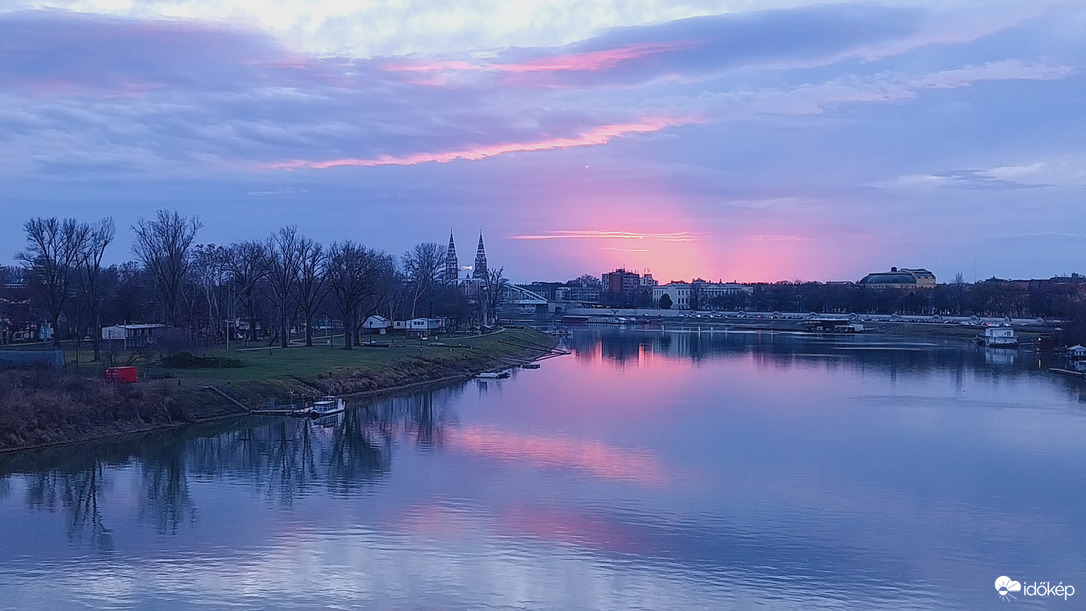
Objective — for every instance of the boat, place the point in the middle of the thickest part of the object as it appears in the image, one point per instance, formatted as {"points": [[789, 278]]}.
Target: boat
{"points": [[832, 325], [530, 366], [326, 406], [998, 337], [492, 375], [328, 421]]}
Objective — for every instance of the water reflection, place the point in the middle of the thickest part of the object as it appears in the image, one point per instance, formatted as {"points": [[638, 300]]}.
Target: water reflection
{"points": [[75, 489], [284, 459], [868, 352], [649, 470]]}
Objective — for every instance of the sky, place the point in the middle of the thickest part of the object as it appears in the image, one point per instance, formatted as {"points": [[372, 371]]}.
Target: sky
{"points": [[746, 140]]}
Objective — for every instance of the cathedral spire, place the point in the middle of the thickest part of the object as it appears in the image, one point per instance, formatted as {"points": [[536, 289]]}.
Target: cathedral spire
{"points": [[452, 267], [480, 260]]}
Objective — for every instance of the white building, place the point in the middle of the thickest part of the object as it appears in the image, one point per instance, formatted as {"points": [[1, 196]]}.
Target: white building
{"points": [[681, 292], [132, 334], [421, 327], [377, 325]]}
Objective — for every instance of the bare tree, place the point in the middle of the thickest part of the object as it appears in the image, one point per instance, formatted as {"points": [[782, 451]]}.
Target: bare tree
{"points": [[162, 245], [284, 261], [311, 288], [587, 281], [492, 296], [355, 274], [248, 264], [697, 299], [209, 266], [52, 253], [98, 238], [424, 267]]}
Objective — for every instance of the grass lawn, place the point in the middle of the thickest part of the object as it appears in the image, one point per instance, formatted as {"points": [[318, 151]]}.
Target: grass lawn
{"points": [[50, 406], [299, 371]]}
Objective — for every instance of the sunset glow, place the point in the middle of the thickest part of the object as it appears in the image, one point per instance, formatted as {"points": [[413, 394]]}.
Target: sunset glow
{"points": [[805, 141], [589, 61], [591, 457], [592, 137]]}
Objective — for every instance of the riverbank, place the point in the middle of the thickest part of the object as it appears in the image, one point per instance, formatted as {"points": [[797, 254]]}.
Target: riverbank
{"points": [[42, 407], [1027, 334]]}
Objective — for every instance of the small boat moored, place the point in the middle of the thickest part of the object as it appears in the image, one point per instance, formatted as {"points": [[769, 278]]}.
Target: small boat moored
{"points": [[492, 375], [326, 406], [998, 337]]}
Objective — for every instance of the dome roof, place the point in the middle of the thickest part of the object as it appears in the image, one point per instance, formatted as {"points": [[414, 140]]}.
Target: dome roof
{"points": [[888, 278]]}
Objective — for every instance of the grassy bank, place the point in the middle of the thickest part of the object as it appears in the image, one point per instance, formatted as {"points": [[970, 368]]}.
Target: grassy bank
{"points": [[47, 407]]}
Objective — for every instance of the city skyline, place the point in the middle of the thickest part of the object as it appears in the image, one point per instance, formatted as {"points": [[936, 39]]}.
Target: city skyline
{"points": [[791, 142]]}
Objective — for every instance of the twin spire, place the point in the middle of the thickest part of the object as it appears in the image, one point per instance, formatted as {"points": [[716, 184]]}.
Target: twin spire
{"points": [[452, 266], [480, 260]]}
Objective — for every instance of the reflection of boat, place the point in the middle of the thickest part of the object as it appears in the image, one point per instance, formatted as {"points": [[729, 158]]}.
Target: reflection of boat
{"points": [[492, 375], [329, 420], [832, 325], [1000, 357], [326, 406], [998, 337]]}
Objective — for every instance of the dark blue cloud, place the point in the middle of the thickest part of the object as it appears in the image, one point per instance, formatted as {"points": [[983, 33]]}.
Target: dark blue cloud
{"points": [[801, 36], [56, 52]]}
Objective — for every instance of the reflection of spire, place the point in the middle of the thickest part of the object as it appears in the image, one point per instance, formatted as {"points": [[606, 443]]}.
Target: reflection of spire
{"points": [[480, 260], [452, 267]]}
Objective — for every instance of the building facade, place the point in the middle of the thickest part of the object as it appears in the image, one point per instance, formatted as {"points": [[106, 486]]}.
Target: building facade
{"points": [[698, 294]]}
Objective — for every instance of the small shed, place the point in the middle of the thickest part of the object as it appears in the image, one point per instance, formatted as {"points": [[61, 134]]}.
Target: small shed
{"points": [[132, 335], [375, 325]]}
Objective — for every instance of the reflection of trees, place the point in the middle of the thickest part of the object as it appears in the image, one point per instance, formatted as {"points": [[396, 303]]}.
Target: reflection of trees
{"points": [[781, 350], [74, 488], [165, 499], [282, 458]]}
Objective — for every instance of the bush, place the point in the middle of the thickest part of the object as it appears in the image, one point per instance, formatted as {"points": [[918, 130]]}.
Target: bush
{"points": [[187, 360], [46, 406]]}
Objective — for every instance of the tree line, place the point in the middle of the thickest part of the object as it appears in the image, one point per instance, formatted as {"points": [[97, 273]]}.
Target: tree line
{"points": [[993, 297], [282, 282], [1057, 297]]}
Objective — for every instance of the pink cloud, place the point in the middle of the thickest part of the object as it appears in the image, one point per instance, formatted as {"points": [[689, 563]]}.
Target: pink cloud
{"points": [[595, 136], [576, 62], [588, 456], [679, 236]]}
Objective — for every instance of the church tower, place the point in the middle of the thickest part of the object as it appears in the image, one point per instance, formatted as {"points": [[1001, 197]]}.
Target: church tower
{"points": [[480, 260], [452, 267]]}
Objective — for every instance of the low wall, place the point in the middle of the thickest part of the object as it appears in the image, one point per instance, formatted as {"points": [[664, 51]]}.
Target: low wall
{"points": [[30, 358]]}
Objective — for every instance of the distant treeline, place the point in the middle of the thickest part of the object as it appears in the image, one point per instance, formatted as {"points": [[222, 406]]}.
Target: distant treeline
{"points": [[1057, 297], [258, 288]]}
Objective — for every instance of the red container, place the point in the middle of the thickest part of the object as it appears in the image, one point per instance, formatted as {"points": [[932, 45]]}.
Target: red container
{"points": [[125, 375]]}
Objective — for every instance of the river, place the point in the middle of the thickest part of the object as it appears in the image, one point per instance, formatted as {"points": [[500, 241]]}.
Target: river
{"points": [[658, 470]]}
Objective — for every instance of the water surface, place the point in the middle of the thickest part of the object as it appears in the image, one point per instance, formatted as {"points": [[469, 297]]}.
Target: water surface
{"points": [[676, 469]]}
